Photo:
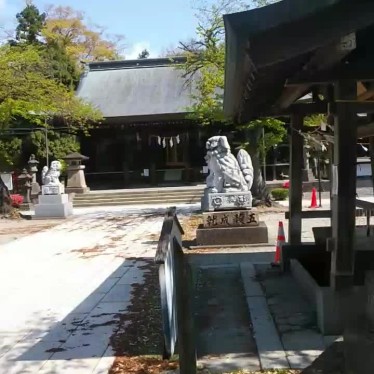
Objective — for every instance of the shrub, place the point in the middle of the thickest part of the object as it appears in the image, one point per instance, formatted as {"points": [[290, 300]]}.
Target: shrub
{"points": [[17, 200], [280, 193]]}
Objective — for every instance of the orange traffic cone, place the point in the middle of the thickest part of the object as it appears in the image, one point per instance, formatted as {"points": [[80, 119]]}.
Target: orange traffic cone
{"points": [[281, 239], [313, 203]]}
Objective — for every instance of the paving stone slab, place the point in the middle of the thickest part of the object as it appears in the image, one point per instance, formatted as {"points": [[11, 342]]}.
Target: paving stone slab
{"points": [[224, 336], [270, 349], [119, 293]]}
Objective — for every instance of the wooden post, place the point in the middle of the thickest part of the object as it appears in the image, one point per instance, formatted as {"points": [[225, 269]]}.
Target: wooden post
{"points": [[296, 184], [344, 187], [371, 140]]}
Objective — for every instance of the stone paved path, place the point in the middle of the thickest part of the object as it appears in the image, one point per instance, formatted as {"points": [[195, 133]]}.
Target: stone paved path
{"points": [[62, 289], [223, 327]]}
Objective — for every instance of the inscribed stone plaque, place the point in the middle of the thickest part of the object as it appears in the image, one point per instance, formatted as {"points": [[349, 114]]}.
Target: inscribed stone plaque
{"points": [[7, 179], [226, 200], [52, 189], [235, 218]]}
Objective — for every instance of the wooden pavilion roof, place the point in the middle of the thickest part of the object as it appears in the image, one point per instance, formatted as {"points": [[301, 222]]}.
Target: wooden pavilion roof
{"points": [[278, 53]]}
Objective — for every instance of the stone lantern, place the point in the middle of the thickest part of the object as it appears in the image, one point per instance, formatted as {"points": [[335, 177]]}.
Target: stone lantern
{"points": [[24, 180], [76, 180], [33, 169]]}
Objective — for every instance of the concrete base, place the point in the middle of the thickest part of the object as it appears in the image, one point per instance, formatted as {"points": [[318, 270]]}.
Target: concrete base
{"points": [[79, 190], [232, 235], [334, 309], [53, 206]]}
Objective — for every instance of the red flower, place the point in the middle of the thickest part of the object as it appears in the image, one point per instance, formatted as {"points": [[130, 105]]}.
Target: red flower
{"points": [[17, 200]]}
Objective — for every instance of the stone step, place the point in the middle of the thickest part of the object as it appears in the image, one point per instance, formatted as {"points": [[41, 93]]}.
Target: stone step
{"points": [[160, 194], [138, 197], [134, 202]]}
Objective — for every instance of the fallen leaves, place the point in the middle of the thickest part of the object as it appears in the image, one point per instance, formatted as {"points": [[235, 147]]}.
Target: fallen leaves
{"points": [[140, 329], [141, 365]]}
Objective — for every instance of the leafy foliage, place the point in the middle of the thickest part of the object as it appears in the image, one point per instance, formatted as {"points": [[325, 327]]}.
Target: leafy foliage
{"points": [[31, 98], [25, 92], [10, 149], [279, 193], [66, 27], [60, 66], [59, 145]]}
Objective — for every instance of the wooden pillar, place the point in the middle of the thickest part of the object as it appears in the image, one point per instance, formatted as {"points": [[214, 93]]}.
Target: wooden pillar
{"points": [[344, 187], [296, 184]]}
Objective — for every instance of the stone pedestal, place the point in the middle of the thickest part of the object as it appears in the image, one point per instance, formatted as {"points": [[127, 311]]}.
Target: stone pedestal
{"points": [[232, 235], [76, 180], [234, 227], [226, 200], [53, 206]]}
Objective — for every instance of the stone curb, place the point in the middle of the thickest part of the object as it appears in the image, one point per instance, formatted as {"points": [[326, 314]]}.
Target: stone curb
{"points": [[270, 348]]}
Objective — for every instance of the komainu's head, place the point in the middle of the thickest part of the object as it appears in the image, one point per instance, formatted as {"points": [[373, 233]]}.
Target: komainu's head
{"points": [[219, 143], [56, 165]]}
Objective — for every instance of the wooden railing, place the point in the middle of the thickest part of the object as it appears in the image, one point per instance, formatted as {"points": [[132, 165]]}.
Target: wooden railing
{"points": [[175, 287]]}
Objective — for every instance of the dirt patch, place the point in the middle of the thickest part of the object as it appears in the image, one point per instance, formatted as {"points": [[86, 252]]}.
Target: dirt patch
{"points": [[12, 229], [189, 225]]}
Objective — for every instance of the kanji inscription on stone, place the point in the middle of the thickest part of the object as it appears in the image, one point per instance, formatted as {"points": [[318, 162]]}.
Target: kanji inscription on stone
{"points": [[230, 218]]}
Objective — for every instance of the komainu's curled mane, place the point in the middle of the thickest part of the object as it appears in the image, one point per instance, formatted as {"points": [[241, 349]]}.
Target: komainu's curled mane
{"points": [[227, 173]]}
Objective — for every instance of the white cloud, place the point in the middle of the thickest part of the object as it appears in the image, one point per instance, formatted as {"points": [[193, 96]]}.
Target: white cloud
{"points": [[134, 51]]}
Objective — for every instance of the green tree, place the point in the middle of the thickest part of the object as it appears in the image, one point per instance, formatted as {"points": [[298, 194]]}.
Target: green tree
{"points": [[206, 64], [143, 54], [30, 24], [60, 66], [29, 98], [25, 90]]}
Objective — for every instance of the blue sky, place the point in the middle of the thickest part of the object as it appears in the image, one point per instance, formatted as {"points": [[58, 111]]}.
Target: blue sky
{"points": [[152, 24]]}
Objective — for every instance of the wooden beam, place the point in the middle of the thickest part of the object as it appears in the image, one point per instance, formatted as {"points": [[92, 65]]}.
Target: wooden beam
{"points": [[312, 214], [365, 131], [305, 109], [344, 187], [333, 75], [358, 106], [296, 185]]}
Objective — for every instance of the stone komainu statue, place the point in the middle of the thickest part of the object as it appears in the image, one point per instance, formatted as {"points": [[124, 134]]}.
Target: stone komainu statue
{"points": [[227, 173], [51, 176]]}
